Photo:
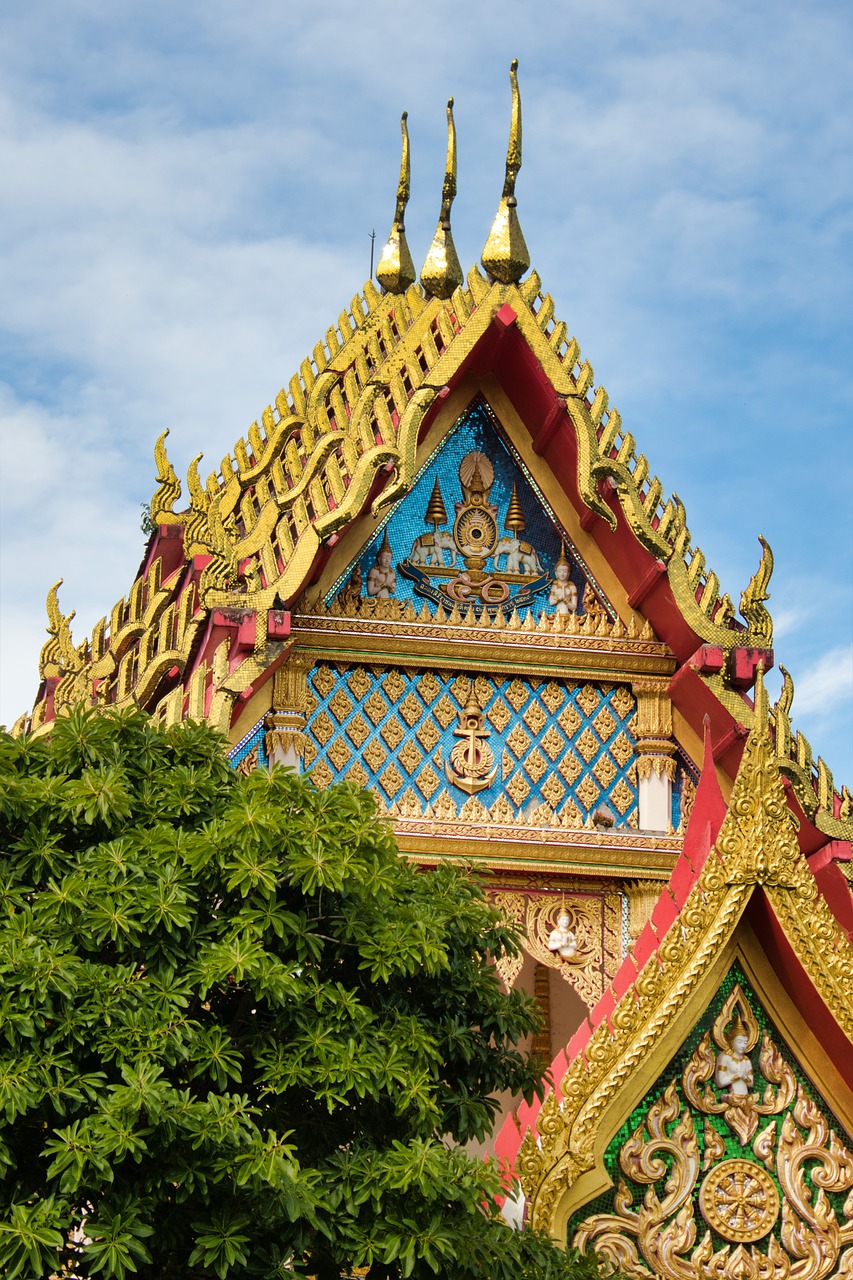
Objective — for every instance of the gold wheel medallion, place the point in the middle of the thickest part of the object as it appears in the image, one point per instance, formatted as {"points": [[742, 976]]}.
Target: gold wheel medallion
{"points": [[739, 1201]]}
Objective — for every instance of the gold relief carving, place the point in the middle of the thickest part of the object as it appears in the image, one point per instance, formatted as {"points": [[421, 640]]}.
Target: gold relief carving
{"points": [[411, 709], [588, 745], [605, 770], [622, 701], [517, 789], [407, 805], [588, 699], [499, 714], [622, 750], [429, 687], [249, 763], [688, 795], [715, 1148], [444, 809], [518, 741], [604, 724], [409, 757], [391, 780], [588, 967], [553, 696], [507, 765], [569, 720], [517, 694], [474, 811], [290, 687], [444, 711], [359, 683], [324, 680], [739, 1201], [570, 767], [511, 907], [339, 753], [553, 790], [658, 765], [322, 728], [357, 775], [482, 690], [428, 735], [428, 782], [392, 733], [321, 774], [309, 752], [534, 717], [654, 710], [535, 765], [472, 766], [642, 896], [375, 706], [394, 685], [374, 755], [587, 792], [339, 705], [461, 689], [357, 730], [552, 743], [502, 811]]}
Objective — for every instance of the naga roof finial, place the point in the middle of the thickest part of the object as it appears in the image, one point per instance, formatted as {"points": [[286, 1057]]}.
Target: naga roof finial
{"points": [[396, 270], [168, 486], [758, 619], [441, 272], [505, 255]]}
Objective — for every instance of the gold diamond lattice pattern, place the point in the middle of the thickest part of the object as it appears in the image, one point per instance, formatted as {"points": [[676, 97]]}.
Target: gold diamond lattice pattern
{"points": [[565, 747]]}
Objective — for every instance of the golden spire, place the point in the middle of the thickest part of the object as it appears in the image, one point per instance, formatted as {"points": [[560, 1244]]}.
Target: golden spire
{"points": [[436, 514], [441, 272], [505, 255], [396, 271], [515, 516]]}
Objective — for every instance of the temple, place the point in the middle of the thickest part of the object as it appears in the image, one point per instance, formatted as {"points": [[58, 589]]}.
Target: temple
{"points": [[438, 567]]}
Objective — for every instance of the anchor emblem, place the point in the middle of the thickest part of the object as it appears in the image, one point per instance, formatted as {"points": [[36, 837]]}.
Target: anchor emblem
{"points": [[472, 766]]}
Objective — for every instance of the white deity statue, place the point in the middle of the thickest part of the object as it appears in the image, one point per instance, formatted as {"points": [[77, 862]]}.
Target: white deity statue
{"points": [[562, 939], [563, 596], [734, 1069], [382, 580]]}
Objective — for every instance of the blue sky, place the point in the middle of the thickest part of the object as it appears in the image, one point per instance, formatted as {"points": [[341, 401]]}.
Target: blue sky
{"points": [[187, 195]]}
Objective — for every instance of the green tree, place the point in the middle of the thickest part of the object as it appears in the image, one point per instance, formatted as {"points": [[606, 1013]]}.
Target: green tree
{"points": [[240, 1036]]}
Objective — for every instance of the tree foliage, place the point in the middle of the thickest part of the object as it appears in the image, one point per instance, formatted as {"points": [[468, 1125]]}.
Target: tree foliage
{"points": [[239, 1035]]}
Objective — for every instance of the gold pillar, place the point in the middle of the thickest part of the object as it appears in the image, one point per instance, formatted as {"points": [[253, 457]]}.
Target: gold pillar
{"points": [[285, 739], [655, 751]]}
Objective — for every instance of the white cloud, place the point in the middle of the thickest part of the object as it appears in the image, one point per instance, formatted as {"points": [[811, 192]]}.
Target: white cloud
{"points": [[826, 686]]}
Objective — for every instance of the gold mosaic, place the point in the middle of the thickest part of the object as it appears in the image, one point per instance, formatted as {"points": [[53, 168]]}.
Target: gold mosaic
{"points": [[604, 724], [517, 789], [394, 685], [569, 720], [359, 683], [622, 701], [357, 730], [552, 743], [374, 755], [324, 680], [517, 694], [409, 757], [535, 765], [392, 732], [391, 780], [427, 781], [428, 687], [518, 741], [587, 792], [322, 728], [427, 735], [339, 705], [553, 790], [339, 753], [411, 709], [499, 715], [535, 717], [553, 697], [444, 711], [588, 699], [588, 745]]}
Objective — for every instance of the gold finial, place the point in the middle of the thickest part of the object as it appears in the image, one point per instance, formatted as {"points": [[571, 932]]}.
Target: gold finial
{"points": [[396, 271], [436, 514], [441, 272], [515, 521], [505, 255], [752, 599], [168, 486]]}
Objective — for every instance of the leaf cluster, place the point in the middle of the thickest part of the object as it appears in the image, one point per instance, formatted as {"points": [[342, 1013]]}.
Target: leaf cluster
{"points": [[239, 1035]]}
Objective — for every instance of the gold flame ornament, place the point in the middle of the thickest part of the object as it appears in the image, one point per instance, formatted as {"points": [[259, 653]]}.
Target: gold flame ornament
{"points": [[396, 270], [441, 272], [472, 766], [505, 255]]}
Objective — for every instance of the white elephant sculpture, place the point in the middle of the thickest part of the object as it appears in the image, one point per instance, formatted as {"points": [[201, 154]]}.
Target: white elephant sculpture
{"points": [[520, 556], [428, 549]]}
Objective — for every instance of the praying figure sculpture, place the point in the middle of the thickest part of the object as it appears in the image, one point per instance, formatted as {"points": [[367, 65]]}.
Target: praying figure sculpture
{"points": [[562, 939], [382, 580], [563, 596], [733, 1071]]}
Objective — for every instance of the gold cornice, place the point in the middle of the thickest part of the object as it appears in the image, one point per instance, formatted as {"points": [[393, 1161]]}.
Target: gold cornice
{"points": [[615, 856], [756, 847]]}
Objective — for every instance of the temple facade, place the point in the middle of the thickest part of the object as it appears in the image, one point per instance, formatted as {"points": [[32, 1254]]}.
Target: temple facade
{"points": [[438, 567]]}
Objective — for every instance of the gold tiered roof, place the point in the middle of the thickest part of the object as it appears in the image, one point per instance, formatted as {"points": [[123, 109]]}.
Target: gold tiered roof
{"points": [[343, 434]]}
